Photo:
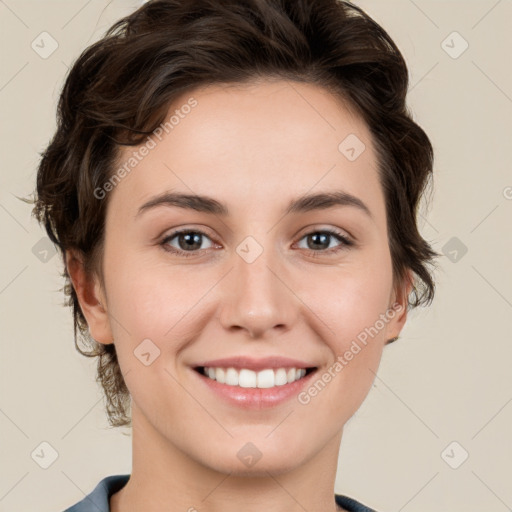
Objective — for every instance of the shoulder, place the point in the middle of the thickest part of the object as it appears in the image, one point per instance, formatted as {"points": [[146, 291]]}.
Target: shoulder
{"points": [[98, 499], [351, 504]]}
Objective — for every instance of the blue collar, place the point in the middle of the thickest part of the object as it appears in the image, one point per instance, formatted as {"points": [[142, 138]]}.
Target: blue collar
{"points": [[98, 500]]}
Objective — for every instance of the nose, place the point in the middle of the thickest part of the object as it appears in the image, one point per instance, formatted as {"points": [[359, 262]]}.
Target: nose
{"points": [[257, 297]]}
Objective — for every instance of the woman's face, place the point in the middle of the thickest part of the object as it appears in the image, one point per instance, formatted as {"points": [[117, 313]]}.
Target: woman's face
{"points": [[249, 276]]}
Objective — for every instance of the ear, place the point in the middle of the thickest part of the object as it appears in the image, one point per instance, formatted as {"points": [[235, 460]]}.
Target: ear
{"points": [[91, 298], [399, 303]]}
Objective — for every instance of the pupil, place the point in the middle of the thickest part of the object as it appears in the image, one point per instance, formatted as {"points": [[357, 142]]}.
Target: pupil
{"points": [[191, 239], [324, 239]]}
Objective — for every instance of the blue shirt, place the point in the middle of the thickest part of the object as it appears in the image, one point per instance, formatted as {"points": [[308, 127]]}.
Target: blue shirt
{"points": [[98, 499]]}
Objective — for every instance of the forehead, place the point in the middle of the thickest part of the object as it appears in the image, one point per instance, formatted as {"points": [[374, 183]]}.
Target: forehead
{"points": [[268, 140]]}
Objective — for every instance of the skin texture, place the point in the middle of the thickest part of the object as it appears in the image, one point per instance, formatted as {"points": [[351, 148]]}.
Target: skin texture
{"points": [[253, 147]]}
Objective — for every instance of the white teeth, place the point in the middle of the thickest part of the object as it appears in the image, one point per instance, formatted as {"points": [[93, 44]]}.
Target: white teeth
{"points": [[266, 378], [246, 378], [280, 377], [218, 374], [231, 377]]}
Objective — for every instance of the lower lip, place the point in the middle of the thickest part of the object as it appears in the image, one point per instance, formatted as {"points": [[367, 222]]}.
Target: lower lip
{"points": [[256, 398]]}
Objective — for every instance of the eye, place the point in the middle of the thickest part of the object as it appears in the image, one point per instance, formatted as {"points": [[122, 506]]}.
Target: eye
{"points": [[189, 242], [320, 242]]}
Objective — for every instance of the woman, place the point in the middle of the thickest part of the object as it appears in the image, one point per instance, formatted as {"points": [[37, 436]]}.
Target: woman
{"points": [[233, 187]]}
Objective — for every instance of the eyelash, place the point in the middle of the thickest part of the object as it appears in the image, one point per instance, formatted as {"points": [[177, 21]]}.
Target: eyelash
{"points": [[346, 243]]}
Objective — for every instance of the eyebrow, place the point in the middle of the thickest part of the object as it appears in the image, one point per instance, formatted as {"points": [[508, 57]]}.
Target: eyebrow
{"points": [[302, 204]]}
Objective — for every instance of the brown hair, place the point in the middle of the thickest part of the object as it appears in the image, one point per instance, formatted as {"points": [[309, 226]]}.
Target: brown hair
{"points": [[119, 89]]}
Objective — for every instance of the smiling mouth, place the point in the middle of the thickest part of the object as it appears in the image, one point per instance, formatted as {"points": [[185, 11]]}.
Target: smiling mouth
{"points": [[245, 378]]}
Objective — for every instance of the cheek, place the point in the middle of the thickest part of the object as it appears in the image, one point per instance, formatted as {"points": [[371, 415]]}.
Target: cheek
{"points": [[350, 299], [151, 299], [351, 305], [156, 303], [352, 328]]}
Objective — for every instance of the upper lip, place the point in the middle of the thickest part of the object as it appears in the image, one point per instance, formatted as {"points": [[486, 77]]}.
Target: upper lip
{"points": [[251, 363]]}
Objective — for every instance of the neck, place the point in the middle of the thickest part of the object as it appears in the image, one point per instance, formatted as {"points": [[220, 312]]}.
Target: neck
{"points": [[164, 477]]}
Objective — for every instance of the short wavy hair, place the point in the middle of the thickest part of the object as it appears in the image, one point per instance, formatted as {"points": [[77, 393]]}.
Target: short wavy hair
{"points": [[119, 89]]}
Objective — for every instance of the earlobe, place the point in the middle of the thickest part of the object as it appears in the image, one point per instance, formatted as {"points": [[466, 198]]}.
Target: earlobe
{"points": [[399, 304], [91, 298]]}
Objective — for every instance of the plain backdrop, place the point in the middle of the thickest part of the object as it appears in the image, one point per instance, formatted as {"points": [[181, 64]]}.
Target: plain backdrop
{"points": [[435, 432]]}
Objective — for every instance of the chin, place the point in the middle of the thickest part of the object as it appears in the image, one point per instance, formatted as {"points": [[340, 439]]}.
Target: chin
{"points": [[254, 460]]}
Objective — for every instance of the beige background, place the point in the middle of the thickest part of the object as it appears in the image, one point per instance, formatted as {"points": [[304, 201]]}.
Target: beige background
{"points": [[448, 378]]}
